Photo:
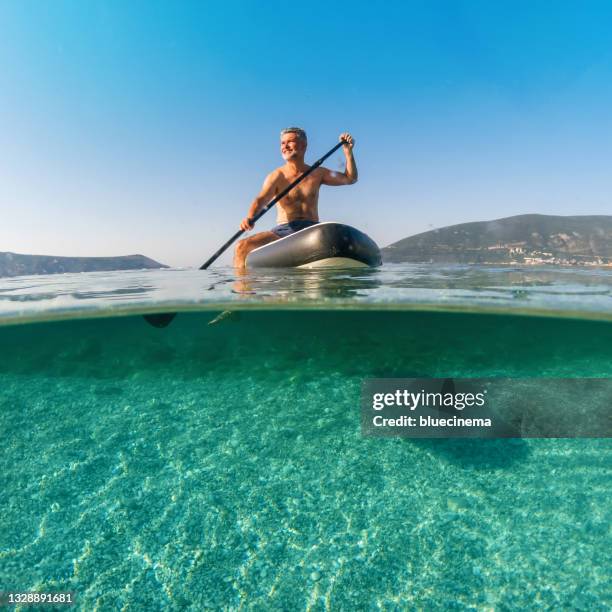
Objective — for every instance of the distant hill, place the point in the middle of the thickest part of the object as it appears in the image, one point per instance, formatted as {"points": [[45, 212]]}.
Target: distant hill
{"points": [[577, 240], [13, 264]]}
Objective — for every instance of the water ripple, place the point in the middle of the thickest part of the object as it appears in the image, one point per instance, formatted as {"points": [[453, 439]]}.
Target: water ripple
{"points": [[575, 291]]}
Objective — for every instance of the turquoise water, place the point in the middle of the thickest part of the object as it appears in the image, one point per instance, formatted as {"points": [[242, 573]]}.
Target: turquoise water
{"points": [[222, 466]]}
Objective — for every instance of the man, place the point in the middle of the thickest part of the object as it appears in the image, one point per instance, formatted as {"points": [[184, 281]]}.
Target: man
{"points": [[299, 208]]}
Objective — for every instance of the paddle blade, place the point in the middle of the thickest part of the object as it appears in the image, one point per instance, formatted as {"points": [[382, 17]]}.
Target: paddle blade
{"points": [[162, 319]]}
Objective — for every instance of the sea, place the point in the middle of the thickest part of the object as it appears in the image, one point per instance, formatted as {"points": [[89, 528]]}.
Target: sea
{"points": [[218, 462]]}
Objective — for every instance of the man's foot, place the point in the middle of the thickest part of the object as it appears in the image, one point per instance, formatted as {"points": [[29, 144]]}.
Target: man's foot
{"points": [[226, 315]]}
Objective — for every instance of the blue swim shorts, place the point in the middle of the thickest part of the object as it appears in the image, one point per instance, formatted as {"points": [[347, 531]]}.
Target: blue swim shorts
{"points": [[286, 229]]}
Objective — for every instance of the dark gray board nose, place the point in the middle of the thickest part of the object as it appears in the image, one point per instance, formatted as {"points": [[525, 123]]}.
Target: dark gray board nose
{"points": [[322, 241]]}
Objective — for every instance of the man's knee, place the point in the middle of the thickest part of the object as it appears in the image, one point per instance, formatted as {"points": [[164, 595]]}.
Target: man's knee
{"points": [[242, 246]]}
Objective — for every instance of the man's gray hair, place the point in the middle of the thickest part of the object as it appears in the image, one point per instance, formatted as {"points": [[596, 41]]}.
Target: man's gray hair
{"points": [[295, 130]]}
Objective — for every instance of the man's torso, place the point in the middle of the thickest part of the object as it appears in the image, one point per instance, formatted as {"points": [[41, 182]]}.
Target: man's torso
{"points": [[301, 203]]}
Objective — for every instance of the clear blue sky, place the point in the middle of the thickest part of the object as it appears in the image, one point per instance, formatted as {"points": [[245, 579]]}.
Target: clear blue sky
{"points": [[148, 127]]}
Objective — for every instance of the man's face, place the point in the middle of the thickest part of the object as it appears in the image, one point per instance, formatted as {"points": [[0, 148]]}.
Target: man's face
{"points": [[292, 146]]}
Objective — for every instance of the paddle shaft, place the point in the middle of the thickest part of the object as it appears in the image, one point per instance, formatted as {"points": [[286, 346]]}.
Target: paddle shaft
{"points": [[270, 204]]}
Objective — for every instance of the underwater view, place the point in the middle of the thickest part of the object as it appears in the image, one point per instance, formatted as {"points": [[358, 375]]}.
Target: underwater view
{"points": [[218, 463]]}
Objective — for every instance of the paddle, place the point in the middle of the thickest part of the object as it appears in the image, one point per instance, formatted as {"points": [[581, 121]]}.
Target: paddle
{"points": [[164, 319]]}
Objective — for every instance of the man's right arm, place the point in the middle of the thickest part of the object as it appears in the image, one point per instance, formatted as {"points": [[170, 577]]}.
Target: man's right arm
{"points": [[268, 191]]}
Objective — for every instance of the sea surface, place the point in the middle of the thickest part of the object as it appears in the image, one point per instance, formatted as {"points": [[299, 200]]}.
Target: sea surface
{"points": [[217, 463]]}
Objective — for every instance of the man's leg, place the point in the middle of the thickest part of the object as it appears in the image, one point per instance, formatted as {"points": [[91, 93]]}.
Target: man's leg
{"points": [[245, 246]]}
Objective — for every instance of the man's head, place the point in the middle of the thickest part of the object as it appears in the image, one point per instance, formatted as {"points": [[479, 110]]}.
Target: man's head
{"points": [[293, 143]]}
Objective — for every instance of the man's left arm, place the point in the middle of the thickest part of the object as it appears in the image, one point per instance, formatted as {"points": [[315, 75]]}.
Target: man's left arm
{"points": [[349, 176]]}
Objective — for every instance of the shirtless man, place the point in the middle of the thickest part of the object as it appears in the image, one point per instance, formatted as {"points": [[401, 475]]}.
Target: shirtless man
{"points": [[299, 208]]}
